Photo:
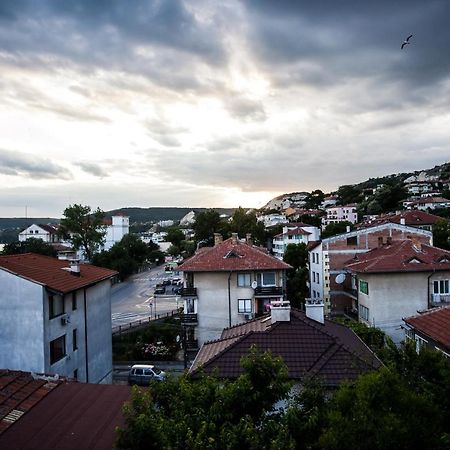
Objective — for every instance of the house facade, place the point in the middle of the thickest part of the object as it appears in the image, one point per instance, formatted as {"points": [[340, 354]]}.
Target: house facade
{"points": [[116, 229], [327, 259], [46, 232], [227, 284], [55, 317], [398, 279], [294, 233], [346, 213]]}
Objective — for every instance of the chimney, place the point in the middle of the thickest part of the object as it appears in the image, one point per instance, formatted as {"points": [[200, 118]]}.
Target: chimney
{"points": [[74, 267], [314, 309], [217, 239], [402, 221], [234, 238], [280, 311], [248, 239], [347, 229], [380, 241]]}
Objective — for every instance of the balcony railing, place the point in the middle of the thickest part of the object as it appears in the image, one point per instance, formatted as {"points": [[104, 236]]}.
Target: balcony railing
{"points": [[188, 292], [440, 298], [189, 319], [261, 291]]}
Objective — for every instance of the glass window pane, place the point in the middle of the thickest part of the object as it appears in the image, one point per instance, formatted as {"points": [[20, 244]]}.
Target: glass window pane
{"points": [[436, 287]]}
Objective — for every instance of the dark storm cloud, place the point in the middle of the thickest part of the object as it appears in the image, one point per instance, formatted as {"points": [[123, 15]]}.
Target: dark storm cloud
{"points": [[23, 164], [106, 33], [350, 39]]}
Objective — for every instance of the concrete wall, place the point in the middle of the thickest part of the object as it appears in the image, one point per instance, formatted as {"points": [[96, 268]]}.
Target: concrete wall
{"points": [[21, 324], [99, 334], [213, 305], [392, 297]]}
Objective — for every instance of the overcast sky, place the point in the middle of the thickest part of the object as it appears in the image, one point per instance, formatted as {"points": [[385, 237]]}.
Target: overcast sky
{"points": [[215, 103]]}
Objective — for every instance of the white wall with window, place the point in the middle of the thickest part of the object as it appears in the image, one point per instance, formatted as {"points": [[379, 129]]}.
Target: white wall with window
{"points": [[317, 275]]}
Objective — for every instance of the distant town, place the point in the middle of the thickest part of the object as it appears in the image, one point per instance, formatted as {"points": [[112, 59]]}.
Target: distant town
{"points": [[337, 286]]}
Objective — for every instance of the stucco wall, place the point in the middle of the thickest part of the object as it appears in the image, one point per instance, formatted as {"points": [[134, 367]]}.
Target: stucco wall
{"points": [[392, 297], [21, 324]]}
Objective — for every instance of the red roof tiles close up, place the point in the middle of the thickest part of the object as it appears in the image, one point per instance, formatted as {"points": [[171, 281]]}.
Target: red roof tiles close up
{"points": [[229, 256], [53, 273]]}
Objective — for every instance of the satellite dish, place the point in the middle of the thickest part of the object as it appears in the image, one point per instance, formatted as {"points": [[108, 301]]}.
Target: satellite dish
{"points": [[254, 284], [340, 278]]}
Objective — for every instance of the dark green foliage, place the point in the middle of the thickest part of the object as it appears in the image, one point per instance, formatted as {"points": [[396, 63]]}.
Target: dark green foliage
{"points": [[297, 290], [211, 414], [349, 194], [131, 346], [126, 256], [31, 245], [243, 222], [441, 234], [206, 224], [174, 236], [83, 228], [311, 220], [372, 337], [333, 229], [314, 199]]}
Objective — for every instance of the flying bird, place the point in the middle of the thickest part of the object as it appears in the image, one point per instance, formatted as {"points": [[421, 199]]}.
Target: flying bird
{"points": [[406, 42]]}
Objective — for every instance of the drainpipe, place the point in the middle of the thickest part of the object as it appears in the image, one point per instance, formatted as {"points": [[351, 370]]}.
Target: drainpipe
{"points": [[428, 289], [229, 299], [85, 337]]}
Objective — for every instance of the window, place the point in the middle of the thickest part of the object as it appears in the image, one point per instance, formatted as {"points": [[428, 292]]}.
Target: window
{"points": [[266, 279], [74, 301], [57, 349], [56, 305], [353, 240], [74, 340], [314, 277], [364, 287], [244, 305], [317, 277], [244, 280], [440, 287], [75, 374], [420, 343], [364, 313]]}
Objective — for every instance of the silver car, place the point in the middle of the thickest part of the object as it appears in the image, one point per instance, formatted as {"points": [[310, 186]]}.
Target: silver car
{"points": [[143, 374]]}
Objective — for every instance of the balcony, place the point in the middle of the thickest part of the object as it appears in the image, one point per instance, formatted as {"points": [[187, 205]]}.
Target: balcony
{"points": [[439, 299], [188, 292], [189, 319], [268, 291]]}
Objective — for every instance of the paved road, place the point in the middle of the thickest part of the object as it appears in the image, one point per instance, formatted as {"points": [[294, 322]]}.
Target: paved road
{"points": [[134, 299]]}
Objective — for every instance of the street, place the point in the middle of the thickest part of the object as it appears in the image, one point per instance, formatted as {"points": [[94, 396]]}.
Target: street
{"points": [[134, 298]]}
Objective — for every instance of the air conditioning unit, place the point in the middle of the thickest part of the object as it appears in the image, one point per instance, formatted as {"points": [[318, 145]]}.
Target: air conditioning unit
{"points": [[65, 320], [248, 316]]}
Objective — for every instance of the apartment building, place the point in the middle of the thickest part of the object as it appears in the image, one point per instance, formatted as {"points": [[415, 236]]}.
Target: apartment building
{"points": [[346, 213], [294, 233]]}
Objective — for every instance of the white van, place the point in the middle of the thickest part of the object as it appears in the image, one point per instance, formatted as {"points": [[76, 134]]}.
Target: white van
{"points": [[143, 374]]}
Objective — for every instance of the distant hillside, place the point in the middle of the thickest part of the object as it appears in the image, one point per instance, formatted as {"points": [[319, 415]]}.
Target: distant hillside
{"points": [[22, 222]]}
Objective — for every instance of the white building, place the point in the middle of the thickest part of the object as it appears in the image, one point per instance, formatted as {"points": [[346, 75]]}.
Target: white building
{"points": [[397, 280], [55, 317], [429, 203], [346, 213], [46, 232], [270, 220], [116, 228], [294, 233], [227, 284], [188, 219]]}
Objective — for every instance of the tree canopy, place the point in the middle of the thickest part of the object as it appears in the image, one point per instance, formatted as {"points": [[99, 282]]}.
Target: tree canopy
{"points": [[297, 290], [83, 228], [31, 245]]}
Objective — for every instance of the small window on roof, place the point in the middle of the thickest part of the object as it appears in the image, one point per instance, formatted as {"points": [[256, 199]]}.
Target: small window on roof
{"points": [[231, 254], [414, 260], [444, 259]]}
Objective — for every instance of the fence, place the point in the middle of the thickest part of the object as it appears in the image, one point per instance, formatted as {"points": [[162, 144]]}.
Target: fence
{"points": [[138, 323]]}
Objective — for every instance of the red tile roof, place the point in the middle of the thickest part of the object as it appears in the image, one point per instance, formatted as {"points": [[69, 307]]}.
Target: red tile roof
{"points": [[412, 218], [50, 272], [434, 323], [227, 256], [308, 348], [19, 392], [60, 415], [401, 256]]}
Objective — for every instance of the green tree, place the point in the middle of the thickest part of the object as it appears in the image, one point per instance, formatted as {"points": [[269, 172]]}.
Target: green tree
{"points": [[297, 290], [441, 234], [83, 228], [243, 222], [206, 224], [175, 236], [31, 245], [210, 414], [314, 199], [349, 194]]}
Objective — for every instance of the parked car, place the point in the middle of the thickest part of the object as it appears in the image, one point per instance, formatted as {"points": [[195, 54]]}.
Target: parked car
{"points": [[175, 281], [160, 290], [143, 374], [166, 283]]}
